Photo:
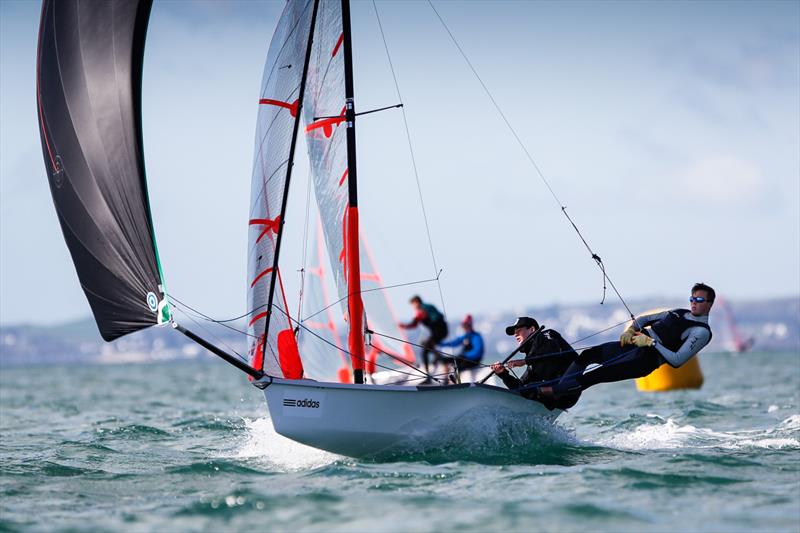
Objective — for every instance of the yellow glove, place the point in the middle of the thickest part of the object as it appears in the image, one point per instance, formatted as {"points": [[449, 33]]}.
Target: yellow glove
{"points": [[627, 336], [642, 341]]}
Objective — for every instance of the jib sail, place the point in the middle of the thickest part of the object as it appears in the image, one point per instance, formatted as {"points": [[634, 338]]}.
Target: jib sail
{"points": [[89, 70], [272, 344]]}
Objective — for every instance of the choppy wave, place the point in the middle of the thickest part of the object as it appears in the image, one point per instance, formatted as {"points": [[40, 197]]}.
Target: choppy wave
{"points": [[490, 437], [724, 458], [669, 434]]}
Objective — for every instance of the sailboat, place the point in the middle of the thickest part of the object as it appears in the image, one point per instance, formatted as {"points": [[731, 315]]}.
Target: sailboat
{"points": [[738, 343], [89, 70]]}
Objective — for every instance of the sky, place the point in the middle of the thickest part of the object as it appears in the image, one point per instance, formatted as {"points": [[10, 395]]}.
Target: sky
{"points": [[670, 130]]}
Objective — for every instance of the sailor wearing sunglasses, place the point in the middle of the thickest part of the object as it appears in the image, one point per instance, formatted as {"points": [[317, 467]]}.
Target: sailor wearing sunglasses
{"points": [[671, 337]]}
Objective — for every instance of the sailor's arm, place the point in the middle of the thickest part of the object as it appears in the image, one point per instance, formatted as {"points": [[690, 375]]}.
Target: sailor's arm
{"points": [[510, 380], [639, 323], [414, 323], [643, 321], [696, 341], [455, 342]]}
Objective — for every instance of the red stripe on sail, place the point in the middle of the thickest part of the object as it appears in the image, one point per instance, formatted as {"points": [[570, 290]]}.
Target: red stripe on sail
{"points": [[256, 318], [258, 358], [39, 93], [326, 124], [264, 273], [372, 358], [286, 105], [269, 225], [338, 45], [341, 181]]}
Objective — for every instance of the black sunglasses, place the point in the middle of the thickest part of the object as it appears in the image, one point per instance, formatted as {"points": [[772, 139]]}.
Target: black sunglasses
{"points": [[698, 299]]}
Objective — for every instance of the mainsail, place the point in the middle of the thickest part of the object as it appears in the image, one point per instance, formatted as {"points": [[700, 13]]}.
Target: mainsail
{"points": [[89, 70], [273, 347], [330, 134], [324, 355], [389, 343], [326, 139]]}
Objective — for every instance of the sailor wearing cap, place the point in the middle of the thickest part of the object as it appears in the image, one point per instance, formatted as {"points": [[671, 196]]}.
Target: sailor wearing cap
{"points": [[547, 356]]}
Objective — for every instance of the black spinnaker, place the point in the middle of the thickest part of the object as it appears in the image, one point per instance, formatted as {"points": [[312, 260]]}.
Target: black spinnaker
{"points": [[88, 89]]}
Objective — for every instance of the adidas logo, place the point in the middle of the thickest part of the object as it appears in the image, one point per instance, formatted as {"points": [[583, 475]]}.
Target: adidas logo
{"points": [[311, 404]]}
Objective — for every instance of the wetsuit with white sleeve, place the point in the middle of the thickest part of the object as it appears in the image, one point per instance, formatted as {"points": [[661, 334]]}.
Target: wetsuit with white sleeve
{"points": [[678, 336]]}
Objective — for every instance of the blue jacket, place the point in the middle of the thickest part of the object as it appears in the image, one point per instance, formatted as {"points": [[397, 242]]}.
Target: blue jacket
{"points": [[472, 343]]}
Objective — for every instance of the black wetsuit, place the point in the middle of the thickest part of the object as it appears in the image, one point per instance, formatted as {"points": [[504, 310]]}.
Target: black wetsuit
{"points": [[545, 342], [678, 336]]}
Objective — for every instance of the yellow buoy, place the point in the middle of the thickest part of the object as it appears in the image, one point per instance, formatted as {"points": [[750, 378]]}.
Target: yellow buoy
{"points": [[664, 378]]}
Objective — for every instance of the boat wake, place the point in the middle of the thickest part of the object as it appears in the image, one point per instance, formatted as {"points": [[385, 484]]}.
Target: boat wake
{"points": [[482, 436], [658, 433], [262, 443]]}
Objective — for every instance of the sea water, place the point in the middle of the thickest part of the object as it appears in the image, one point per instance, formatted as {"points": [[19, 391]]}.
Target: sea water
{"points": [[189, 447]]}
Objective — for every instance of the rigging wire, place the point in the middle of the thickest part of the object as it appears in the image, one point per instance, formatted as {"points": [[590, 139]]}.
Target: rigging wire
{"points": [[381, 288], [299, 325], [453, 356], [413, 160], [362, 358], [224, 321], [617, 359], [563, 208], [305, 251], [400, 340], [208, 331]]}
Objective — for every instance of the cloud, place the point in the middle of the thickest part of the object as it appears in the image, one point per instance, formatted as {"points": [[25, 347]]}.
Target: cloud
{"points": [[723, 180]]}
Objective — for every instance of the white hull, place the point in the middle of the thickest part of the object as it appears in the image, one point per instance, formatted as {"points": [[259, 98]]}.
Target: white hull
{"points": [[362, 420]]}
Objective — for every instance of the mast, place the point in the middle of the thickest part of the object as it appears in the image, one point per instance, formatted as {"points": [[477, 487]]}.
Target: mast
{"points": [[274, 273], [355, 339]]}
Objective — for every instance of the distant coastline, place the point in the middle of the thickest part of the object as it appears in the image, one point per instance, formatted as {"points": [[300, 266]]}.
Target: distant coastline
{"points": [[773, 324]]}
